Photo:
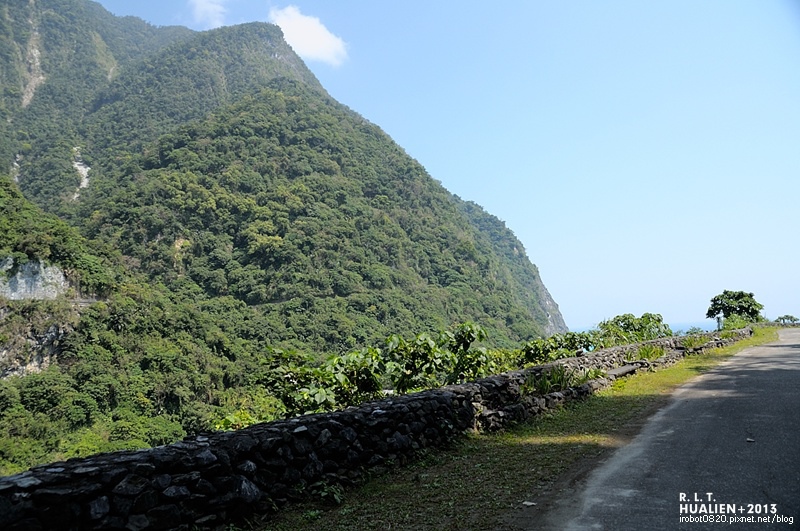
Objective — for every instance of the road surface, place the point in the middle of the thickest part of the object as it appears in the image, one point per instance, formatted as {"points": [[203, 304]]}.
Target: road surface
{"points": [[724, 454]]}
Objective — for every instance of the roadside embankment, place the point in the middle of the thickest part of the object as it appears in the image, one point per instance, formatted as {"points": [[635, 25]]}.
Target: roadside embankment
{"points": [[209, 479]]}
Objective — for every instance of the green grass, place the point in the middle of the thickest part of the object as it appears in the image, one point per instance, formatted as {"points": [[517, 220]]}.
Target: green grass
{"points": [[479, 479]]}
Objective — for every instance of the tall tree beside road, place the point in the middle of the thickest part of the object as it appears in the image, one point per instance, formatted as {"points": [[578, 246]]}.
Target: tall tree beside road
{"points": [[739, 303]]}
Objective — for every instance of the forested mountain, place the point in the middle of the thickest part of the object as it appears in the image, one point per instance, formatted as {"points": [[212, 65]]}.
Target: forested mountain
{"points": [[234, 217], [54, 56], [226, 163]]}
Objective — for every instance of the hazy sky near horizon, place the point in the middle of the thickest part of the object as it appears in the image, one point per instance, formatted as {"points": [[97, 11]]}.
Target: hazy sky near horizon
{"points": [[647, 154]]}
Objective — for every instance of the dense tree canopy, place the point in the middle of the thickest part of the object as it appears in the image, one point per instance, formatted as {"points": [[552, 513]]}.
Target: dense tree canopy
{"points": [[729, 303]]}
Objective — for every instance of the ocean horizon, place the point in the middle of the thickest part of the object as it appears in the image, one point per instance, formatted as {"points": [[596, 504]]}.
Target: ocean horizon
{"points": [[708, 325]]}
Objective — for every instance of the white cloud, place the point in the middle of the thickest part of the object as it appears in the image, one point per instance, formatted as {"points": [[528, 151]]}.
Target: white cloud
{"points": [[210, 13], [308, 36]]}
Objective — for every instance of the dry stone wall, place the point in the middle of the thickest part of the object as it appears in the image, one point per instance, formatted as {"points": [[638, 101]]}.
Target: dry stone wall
{"points": [[207, 480]]}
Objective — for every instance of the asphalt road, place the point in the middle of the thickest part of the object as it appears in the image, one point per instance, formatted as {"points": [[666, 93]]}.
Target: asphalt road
{"points": [[729, 439]]}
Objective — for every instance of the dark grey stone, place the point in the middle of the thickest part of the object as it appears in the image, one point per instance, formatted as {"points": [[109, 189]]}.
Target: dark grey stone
{"points": [[25, 480], [324, 437], [176, 492], [99, 508], [137, 522], [291, 476], [161, 481], [302, 447], [349, 434], [204, 486], [206, 457], [246, 490], [313, 469], [164, 516], [131, 485], [247, 468], [143, 469], [144, 502]]}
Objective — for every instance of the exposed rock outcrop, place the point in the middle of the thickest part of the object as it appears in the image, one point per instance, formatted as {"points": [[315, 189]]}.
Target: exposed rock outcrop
{"points": [[82, 169], [30, 346], [32, 352], [32, 280]]}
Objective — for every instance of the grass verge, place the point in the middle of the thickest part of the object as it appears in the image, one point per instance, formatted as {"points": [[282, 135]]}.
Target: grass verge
{"points": [[477, 481]]}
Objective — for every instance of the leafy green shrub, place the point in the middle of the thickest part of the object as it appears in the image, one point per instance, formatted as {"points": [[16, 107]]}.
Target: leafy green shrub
{"points": [[468, 364], [627, 329], [235, 421], [620, 330], [693, 342], [539, 351], [735, 322], [316, 394], [588, 375], [43, 392], [418, 364], [85, 443], [331, 493], [650, 352], [554, 379], [9, 397], [506, 359], [239, 408], [162, 430], [357, 376]]}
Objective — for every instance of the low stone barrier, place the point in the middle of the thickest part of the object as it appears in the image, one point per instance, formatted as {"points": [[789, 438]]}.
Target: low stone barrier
{"points": [[207, 480]]}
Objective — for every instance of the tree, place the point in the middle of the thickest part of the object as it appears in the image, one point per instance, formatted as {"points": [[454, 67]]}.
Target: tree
{"points": [[787, 319], [730, 303]]}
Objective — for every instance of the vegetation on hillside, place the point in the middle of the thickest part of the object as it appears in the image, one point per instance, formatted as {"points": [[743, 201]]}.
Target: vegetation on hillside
{"points": [[141, 370], [293, 206], [251, 243], [277, 195], [81, 47], [27, 234]]}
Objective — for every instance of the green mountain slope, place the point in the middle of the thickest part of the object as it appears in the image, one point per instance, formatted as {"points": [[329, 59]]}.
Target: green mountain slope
{"points": [[522, 276], [187, 81], [140, 367], [27, 234], [80, 77], [291, 203], [304, 210], [236, 220], [54, 56]]}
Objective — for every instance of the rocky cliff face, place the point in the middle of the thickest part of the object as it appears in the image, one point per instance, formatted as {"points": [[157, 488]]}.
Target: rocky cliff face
{"points": [[29, 337], [31, 352], [33, 280], [555, 321]]}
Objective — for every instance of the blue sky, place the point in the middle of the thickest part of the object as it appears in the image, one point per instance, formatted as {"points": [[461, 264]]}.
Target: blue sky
{"points": [[647, 154]]}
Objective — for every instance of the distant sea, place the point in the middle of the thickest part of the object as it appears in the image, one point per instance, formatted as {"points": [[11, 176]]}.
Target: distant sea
{"points": [[708, 325]]}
